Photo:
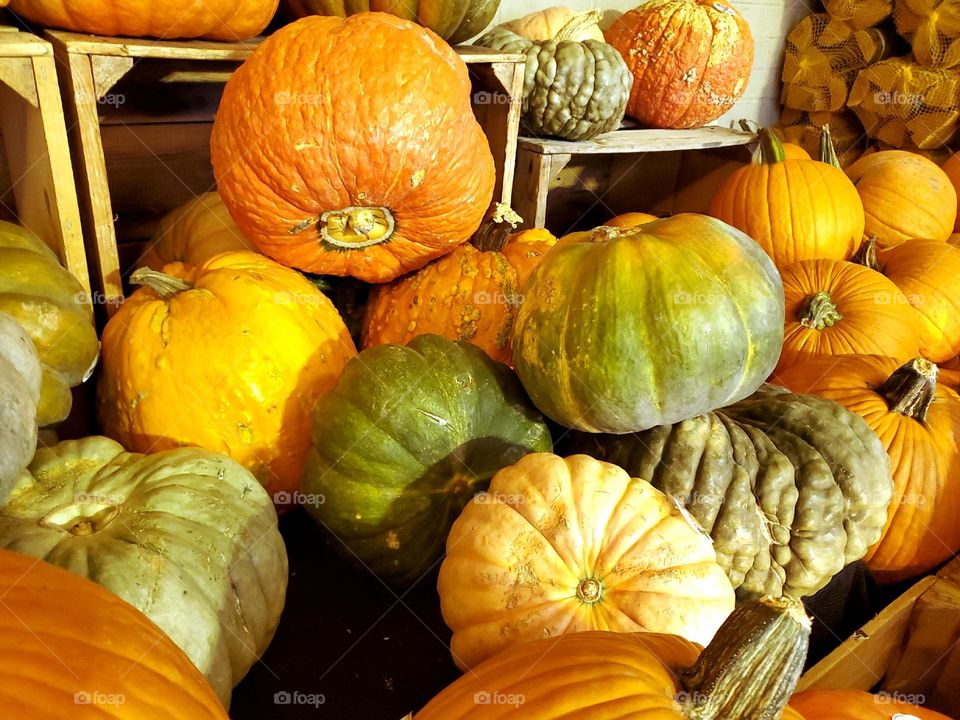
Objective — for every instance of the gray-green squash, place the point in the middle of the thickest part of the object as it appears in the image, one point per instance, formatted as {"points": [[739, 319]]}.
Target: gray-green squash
{"points": [[20, 380]]}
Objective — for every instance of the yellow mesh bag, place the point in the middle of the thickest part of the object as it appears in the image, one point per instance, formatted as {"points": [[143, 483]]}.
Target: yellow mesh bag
{"points": [[859, 14], [906, 105], [933, 29], [803, 129]]}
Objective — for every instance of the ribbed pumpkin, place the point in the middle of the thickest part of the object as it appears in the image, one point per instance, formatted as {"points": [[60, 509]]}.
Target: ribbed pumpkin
{"points": [[630, 219], [624, 329], [565, 545], [545, 24], [471, 294], [193, 233], [891, 184], [229, 356], [952, 169], [54, 309], [927, 272], [918, 422], [748, 671], [372, 173], [229, 20], [69, 646], [20, 377], [857, 705], [835, 307], [690, 59], [795, 209]]}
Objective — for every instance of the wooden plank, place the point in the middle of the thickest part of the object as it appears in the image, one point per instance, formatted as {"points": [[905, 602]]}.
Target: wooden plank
{"points": [[645, 140], [497, 102], [21, 44], [17, 74], [531, 184], [78, 44], [476, 54], [108, 71]]}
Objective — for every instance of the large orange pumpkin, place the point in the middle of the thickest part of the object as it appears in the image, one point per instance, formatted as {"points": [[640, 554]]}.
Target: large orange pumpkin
{"points": [[690, 59], [349, 147], [70, 650], [857, 705], [918, 422], [229, 20], [952, 169]]}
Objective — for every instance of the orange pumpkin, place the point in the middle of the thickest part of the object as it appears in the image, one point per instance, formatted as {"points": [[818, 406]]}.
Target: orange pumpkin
{"points": [[471, 294], [631, 219], [954, 239], [857, 705], [835, 307], [795, 152], [73, 651], [952, 169], [371, 173], [918, 422], [690, 59]]}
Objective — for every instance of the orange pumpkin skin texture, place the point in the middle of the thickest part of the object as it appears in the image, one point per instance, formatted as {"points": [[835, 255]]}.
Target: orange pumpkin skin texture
{"points": [[922, 528], [905, 196], [107, 650], [952, 169], [228, 20], [565, 545], [631, 219], [690, 59], [856, 705], [232, 360], [371, 173], [795, 152]]}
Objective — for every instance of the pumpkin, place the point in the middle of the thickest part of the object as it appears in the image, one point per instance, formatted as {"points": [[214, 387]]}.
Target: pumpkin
{"points": [[954, 239], [403, 442], [194, 232], [575, 90], [471, 294], [630, 219], [857, 705], [795, 209], [952, 170], [747, 671], [326, 192], [926, 271], [690, 59], [54, 309], [918, 422], [836, 307], [893, 215], [794, 152], [188, 537], [229, 20], [545, 24], [20, 377], [792, 488], [453, 20], [229, 356], [624, 329], [564, 545]]}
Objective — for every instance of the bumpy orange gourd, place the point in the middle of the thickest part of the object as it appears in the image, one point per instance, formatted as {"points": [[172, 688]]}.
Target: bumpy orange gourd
{"points": [[73, 651], [690, 59], [857, 705], [372, 172], [905, 196], [834, 307], [471, 294], [952, 169], [229, 20], [630, 219], [229, 356], [918, 422]]}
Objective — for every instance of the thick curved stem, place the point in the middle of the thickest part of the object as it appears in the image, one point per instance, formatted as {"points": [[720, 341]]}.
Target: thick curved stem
{"points": [[356, 227], [577, 23], [867, 255], [495, 230], [819, 312], [771, 148], [828, 153], [166, 286], [911, 389]]}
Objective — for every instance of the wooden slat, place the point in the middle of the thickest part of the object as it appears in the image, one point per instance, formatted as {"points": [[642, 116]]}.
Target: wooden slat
{"points": [[477, 54], [78, 44], [637, 141], [21, 44]]}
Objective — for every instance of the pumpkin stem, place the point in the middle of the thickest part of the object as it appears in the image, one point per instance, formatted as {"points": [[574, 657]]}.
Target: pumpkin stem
{"points": [[867, 255], [752, 665], [911, 389], [828, 153], [577, 23], [166, 286], [495, 229], [819, 312], [356, 227], [771, 148]]}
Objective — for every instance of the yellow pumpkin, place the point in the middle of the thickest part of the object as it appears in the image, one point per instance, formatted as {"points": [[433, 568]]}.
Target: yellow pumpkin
{"points": [[545, 24]]}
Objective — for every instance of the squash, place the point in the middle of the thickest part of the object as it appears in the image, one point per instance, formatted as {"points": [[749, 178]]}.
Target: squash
{"points": [[454, 20], [193, 233], [624, 329], [54, 309], [630, 219], [20, 377], [836, 307], [565, 545], [545, 24], [575, 90], [952, 170], [926, 271], [893, 215], [229, 20], [792, 488], [691, 60], [325, 192], [68, 645], [471, 294], [918, 422], [858, 705], [747, 671], [795, 209], [230, 356], [186, 536], [403, 442]]}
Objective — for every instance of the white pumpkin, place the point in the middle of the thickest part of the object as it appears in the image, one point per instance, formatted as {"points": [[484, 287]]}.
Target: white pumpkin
{"points": [[20, 375], [545, 24]]}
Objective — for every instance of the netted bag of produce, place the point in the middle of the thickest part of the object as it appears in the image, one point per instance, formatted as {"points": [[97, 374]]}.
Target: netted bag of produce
{"points": [[933, 29], [803, 128], [859, 14], [904, 104]]}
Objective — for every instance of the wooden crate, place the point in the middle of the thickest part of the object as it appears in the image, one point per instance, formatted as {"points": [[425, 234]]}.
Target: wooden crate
{"points": [[912, 648], [143, 110], [42, 193]]}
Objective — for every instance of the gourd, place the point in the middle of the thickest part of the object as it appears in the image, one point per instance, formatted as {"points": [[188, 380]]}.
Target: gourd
{"points": [[545, 24], [630, 219], [857, 705], [20, 377]]}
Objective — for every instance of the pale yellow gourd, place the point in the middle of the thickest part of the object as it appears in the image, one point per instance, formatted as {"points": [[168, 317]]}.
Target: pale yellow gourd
{"points": [[545, 24]]}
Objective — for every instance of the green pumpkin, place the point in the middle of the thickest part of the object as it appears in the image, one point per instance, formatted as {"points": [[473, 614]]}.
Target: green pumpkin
{"points": [[573, 90], [792, 488], [620, 330], [186, 536], [404, 441]]}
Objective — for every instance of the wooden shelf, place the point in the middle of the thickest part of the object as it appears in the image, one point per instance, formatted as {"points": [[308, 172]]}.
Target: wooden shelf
{"points": [[642, 141]]}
